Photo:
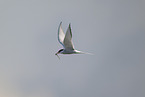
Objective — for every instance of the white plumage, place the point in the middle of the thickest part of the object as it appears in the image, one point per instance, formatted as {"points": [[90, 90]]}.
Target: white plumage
{"points": [[66, 41]]}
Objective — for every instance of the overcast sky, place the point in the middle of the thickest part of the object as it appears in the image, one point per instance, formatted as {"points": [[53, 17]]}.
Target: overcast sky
{"points": [[113, 30]]}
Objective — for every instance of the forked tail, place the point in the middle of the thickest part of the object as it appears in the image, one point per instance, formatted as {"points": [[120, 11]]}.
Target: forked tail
{"points": [[80, 52]]}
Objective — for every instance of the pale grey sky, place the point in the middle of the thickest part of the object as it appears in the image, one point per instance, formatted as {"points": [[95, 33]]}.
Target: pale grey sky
{"points": [[113, 30]]}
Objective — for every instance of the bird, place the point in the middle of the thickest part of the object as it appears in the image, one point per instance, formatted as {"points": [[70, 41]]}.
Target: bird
{"points": [[66, 41]]}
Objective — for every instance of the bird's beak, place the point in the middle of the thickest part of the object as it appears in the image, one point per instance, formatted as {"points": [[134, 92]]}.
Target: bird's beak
{"points": [[57, 55]]}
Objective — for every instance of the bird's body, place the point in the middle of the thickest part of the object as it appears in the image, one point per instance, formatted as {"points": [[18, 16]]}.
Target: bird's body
{"points": [[66, 41], [64, 51]]}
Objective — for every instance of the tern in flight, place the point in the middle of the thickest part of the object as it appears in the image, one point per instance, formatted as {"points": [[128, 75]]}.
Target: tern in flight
{"points": [[66, 41]]}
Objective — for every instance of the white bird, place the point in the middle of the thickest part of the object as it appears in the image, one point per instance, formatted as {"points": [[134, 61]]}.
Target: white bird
{"points": [[66, 41]]}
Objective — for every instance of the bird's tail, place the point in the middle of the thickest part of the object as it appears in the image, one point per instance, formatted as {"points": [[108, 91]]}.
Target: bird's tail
{"points": [[80, 52]]}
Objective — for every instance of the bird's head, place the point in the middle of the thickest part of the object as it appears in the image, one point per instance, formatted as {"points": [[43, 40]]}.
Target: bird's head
{"points": [[59, 52]]}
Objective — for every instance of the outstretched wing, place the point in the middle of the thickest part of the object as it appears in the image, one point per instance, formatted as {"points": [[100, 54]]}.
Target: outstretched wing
{"points": [[61, 34], [68, 39]]}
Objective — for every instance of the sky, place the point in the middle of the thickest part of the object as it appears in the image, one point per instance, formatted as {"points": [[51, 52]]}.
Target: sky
{"points": [[112, 30]]}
